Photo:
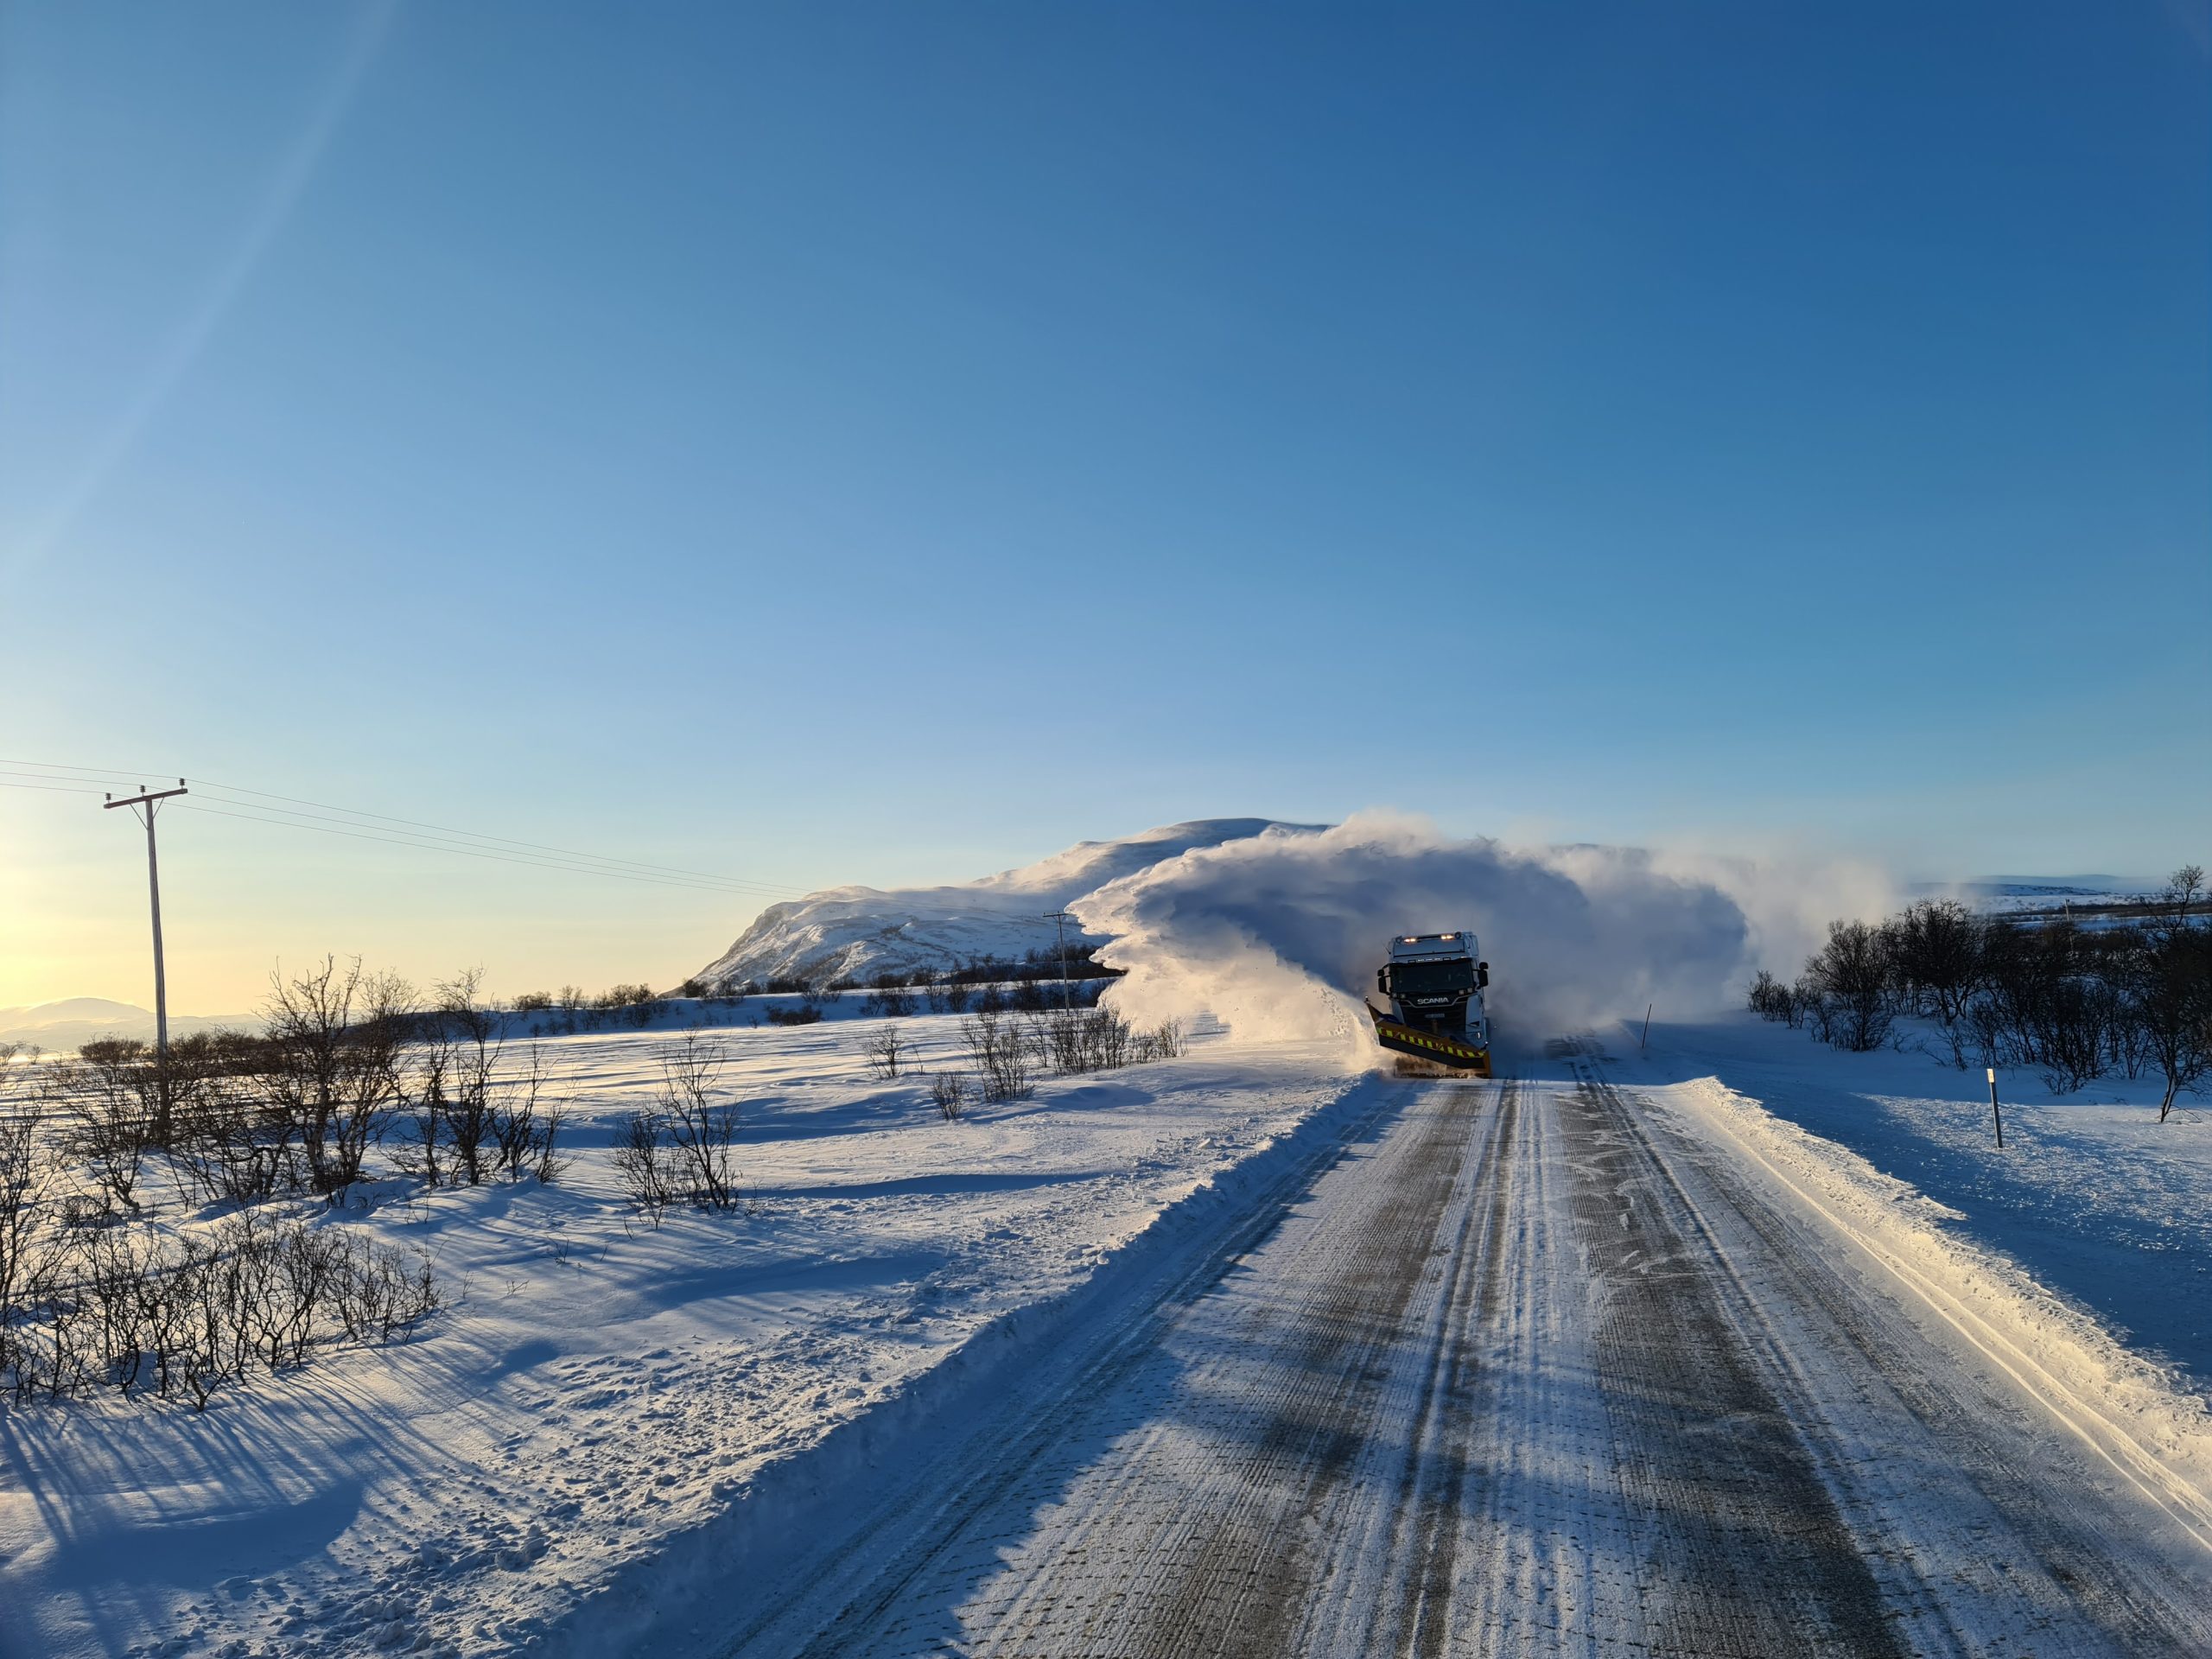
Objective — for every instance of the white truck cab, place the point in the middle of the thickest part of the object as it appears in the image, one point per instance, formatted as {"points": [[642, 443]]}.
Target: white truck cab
{"points": [[1434, 981]]}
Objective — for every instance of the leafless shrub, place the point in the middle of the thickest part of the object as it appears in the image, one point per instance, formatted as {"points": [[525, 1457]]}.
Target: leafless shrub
{"points": [[422, 1153], [1767, 996], [2075, 1002], [949, 1092], [549, 1164], [471, 1114], [701, 1125], [113, 1107], [1165, 1041], [645, 1164], [889, 995], [330, 1063], [383, 1294], [182, 1316], [885, 1050], [471, 1111], [2170, 986], [1853, 971], [26, 1172], [230, 1143], [517, 1118], [999, 1055]]}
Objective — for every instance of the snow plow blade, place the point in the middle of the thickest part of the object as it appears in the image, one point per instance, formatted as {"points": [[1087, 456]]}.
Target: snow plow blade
{"points": [[1448, 1055]]}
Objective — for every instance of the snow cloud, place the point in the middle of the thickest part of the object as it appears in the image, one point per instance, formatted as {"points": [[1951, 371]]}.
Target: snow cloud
{"points": [[1278, 936]]}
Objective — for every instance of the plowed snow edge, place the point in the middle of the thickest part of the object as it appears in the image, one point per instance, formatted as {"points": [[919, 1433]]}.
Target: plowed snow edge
{"points": [[2134, 1414]]}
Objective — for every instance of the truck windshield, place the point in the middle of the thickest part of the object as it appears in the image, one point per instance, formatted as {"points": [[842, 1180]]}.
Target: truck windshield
{"points": [[1432, 978]]}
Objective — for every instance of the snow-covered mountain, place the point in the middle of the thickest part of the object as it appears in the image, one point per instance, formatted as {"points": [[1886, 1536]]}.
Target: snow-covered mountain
{"points": [[858, 932]]}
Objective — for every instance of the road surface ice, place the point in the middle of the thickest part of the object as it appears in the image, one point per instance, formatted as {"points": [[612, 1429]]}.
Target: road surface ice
{"points": [[1538, 1365]]}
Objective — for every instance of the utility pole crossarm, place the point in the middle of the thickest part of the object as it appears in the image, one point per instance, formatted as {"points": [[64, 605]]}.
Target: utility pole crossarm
{"points": [[146, 797]]}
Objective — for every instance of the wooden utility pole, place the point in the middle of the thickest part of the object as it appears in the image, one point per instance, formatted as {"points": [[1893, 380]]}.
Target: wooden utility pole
{"points": [[151, 800], [1061, 918]]}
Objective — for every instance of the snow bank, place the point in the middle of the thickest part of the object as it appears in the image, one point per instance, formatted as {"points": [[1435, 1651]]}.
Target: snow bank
{"points": [[2131, 1412], [1279, 935]]}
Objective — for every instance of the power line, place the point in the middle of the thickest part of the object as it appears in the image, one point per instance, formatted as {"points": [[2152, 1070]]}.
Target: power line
{"points": [[376, 826], [290, 819], [58, 789], [650, 873], [666, 869], [497, 858]]}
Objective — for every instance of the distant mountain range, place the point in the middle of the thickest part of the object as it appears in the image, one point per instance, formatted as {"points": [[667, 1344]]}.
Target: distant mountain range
{"points": [[77, 1020], [857, 931], [2019, 892]]}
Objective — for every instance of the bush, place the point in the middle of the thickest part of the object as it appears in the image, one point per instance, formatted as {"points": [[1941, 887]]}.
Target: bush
{"points": [[182, 1316], [1851, 973], [949, 1091], [2073, 1002], [700, 1122], [644, 1165], [999, 1056], [885, 1050]]}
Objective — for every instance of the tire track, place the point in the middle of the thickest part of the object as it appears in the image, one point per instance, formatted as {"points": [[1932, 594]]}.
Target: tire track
{"points": [[1747, 1553], [1277, 1410]]}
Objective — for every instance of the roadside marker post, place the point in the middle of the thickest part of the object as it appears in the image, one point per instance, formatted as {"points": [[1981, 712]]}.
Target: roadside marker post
{"points": [[1996, 1117], [1647, 1024]]}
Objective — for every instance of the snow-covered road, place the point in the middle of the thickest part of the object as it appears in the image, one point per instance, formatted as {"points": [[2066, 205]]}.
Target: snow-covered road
{"points": [[1534, 1366]]}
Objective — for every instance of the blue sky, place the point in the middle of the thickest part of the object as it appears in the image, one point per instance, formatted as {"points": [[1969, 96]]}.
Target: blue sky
{"points": [[885, 443]]}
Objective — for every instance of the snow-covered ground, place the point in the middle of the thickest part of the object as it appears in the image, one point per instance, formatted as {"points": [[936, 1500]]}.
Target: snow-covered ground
{"points": [[601, 1386], [615, 1427]]}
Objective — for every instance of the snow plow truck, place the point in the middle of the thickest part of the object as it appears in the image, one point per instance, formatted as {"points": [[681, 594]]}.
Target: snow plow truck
{"points": [[1436, 1027]]}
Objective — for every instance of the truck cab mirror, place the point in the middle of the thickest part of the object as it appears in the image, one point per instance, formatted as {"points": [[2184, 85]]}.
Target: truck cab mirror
{"points": [[1481, 974], [1382, 981]]}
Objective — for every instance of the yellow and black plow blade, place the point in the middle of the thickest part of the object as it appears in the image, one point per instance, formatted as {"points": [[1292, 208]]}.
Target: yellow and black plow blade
{"points": [[1446, 1054]]}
